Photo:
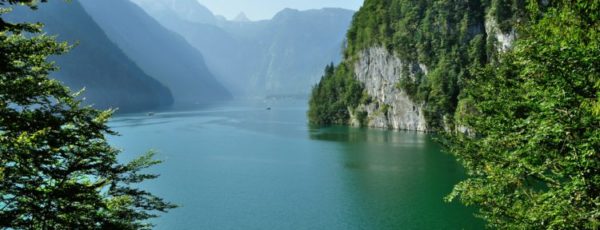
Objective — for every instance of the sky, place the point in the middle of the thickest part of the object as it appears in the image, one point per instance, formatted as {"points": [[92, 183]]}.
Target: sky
{"points": [[265, 9]]}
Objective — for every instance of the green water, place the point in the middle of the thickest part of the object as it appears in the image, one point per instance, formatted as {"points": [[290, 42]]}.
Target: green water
{"points": [[240, 166]]}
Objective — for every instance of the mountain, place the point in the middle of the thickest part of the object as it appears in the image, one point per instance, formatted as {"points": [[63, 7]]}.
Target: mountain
{"points": [[241, 17], [185, 10], [294, 46], [281, 56], [222, 51], [110, 78], [406, 62], [162, 53]]}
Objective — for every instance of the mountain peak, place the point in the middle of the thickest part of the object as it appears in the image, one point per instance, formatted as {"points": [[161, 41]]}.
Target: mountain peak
{"points": [[241, 17]]}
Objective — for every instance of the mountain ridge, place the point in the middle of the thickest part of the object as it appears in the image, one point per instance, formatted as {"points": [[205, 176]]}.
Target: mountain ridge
{"points": [[266, 60], [162, 53], [95, 63]]}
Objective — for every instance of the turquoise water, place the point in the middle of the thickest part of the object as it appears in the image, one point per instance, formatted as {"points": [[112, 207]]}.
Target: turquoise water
{"points": [[241, 166]]}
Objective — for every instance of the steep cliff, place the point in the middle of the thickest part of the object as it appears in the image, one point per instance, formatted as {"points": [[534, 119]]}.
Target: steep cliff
{"points": [[413, 57], [389, 107]]}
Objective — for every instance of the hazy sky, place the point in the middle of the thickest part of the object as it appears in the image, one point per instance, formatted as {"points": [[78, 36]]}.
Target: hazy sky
{"points": [[265, 9]]}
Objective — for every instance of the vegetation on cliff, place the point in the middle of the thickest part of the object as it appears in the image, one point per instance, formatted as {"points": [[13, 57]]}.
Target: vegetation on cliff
{"points": [[446, 36], [332, 98]]}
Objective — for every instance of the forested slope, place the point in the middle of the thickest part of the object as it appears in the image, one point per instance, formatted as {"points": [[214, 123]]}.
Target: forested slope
{"points": [[428, 47]]}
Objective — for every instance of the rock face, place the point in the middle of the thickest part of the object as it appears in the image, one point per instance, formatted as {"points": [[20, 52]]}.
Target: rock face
{"points": [[389, 106], [413, 59], [504, 40]]}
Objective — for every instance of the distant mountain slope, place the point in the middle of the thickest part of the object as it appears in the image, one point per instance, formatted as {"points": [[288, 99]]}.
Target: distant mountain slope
{"points": [[281, 56], [226, 56], [110, 78], [162, 53], [296, 46], [186, 10]]}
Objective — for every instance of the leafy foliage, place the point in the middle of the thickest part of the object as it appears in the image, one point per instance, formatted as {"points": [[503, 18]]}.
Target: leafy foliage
{"points": [[57, 170], [534, 161], [332, 98]]}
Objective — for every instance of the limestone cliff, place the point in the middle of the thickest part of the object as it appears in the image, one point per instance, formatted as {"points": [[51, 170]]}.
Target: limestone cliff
{"points": [[412, 60], [389, 107]]}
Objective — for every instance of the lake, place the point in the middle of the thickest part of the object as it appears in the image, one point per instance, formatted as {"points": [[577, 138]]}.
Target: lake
{"points": [[241, 166]]}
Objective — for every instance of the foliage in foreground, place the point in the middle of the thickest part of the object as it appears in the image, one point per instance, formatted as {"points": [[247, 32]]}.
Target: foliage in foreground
{"points": [[534, 162], [57, 170]]}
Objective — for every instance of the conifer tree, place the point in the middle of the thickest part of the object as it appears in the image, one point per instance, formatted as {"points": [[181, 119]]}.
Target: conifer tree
{"points": [[57, 170]]}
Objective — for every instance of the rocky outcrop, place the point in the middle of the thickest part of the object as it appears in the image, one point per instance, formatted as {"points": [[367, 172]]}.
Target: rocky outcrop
{"points": [[504, 40], [413, 60], [388, 107]]}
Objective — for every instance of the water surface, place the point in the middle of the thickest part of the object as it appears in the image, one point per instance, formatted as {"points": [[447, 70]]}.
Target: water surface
{"points": [[241, 166]]}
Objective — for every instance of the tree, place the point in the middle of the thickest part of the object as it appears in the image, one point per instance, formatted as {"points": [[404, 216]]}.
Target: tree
{"points": [[57, 170], [533, 153], [336, 93]]}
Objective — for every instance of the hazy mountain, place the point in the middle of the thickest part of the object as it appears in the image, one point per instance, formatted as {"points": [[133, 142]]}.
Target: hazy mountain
{"points": [[186, 10], [241, 17], [162, 53], [222, 51], [295, 46], [284, 55], [111, 79]]}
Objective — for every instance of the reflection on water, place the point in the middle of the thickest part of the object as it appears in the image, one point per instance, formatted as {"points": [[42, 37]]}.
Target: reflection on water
{"points": [[400, 178], [240, 166], [374, 136]]}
